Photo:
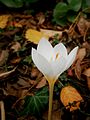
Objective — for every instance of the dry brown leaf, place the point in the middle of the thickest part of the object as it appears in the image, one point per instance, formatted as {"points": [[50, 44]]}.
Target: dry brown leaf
{"points": [[83, 25], [51, 33], [17, 24], [15, 60], [81, 54], [41, 18], [87, 72], [78, 69], [88, 82], [3, 56], [69, 95], [15, 46], [42, 83], [34, 72], [4, 20]]}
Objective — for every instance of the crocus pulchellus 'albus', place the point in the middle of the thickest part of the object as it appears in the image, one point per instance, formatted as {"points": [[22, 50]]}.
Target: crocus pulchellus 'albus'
{"points": [[52, 62]]}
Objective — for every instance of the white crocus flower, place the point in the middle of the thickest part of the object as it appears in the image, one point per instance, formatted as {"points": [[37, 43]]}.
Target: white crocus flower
{"points": [[52, 62]]}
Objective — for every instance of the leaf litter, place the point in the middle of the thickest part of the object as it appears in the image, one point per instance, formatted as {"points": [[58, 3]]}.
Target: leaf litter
{"points": [[22, 85]]}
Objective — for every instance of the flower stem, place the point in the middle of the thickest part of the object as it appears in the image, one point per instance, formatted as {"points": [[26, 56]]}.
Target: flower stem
{"points": [[51, 87]]}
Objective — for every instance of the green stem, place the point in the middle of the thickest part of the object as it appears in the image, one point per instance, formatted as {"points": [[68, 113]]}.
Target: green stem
{"points": [[51, 87]]}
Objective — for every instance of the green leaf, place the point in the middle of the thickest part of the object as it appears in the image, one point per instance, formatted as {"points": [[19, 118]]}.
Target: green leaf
{"points": [[36, 104], [60, 10], [28, 59], [86, 6], [59, 13], [75, 5], [30, 1], [12, 3], [71, 16]]}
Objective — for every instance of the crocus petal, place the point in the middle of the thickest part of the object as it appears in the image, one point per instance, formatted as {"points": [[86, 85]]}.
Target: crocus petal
{"points": [[58, 65], [45, 48], [71, 57], [42, 64], [61, 49]]}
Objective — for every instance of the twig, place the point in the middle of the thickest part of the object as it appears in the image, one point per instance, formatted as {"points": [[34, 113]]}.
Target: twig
{"points": [[2, 110]]}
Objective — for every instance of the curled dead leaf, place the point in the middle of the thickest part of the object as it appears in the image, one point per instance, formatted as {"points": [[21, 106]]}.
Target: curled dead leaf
{"points": [[69, 96]]}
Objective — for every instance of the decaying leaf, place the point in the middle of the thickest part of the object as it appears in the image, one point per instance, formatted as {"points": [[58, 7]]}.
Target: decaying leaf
{"points": [[41, 18], [51, 33], [81, 54], [83, 25], [34, 72], [70, 98], [4, 20], [34, 35], [15, 46], [78, 69], [87, 74], [42, 83], [3, 56]]}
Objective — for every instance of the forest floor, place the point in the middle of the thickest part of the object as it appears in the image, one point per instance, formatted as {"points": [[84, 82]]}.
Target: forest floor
{"points": [[22, 84]]}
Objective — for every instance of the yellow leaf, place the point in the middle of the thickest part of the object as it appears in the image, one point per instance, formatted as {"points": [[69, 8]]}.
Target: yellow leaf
{"points": [[69, 95], [4, 20], [34, 35]]}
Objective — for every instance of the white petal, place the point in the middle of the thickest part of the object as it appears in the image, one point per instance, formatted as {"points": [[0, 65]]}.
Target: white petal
{"points": [[58, 66], [45, 48], [42, 64], [61, 49], [71, 57]]}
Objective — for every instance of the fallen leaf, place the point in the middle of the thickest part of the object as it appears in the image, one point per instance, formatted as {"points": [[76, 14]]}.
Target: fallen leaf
{"points": [[41, 18], [42, 83], [15, 46], [34, 72], [83, 25], [68, 96], [78, 69], [3, 56], [51, 33], [87, 72], [81, 54], [34, 35], [15, 60], [3, 20]]}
